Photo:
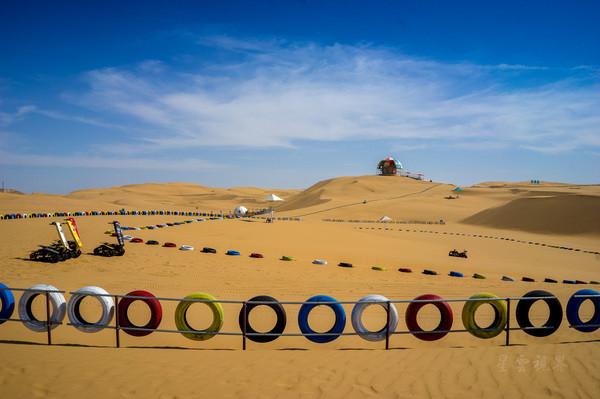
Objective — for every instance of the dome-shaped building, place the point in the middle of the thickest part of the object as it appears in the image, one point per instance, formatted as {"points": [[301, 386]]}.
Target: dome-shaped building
{"points": [[389, 167]]}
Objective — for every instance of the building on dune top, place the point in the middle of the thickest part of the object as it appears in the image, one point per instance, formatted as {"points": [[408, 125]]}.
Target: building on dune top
{"points": [[393, 167], [389, 167]]}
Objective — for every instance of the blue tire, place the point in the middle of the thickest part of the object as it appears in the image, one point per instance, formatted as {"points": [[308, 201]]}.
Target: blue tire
{"points": [[338, 326], [456, 274], [7, 303], [573, 311]]}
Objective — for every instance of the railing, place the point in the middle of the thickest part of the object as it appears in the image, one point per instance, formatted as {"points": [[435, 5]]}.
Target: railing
{"points": [[244, 334]]}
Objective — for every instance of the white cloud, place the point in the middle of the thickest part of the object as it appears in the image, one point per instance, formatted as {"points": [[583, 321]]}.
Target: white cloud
{"points": [[275, 94], [279, 94]]}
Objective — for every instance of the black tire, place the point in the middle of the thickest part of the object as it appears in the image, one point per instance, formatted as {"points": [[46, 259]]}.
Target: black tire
{"points": [[279, 325], [103, 250], [554, 319], [119, 251]]}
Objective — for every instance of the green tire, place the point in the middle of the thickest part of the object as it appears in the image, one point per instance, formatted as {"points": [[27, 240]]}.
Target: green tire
{"points": [[468, 316]]}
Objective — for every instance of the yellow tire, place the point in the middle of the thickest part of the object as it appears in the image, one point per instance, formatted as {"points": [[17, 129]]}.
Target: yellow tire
{"points": [[183, 325], [379, 268], [468, 316]]}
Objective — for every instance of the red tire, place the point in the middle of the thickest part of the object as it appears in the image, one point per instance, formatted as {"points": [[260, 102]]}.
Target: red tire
{"points": [[446, 318], [155, 313]]}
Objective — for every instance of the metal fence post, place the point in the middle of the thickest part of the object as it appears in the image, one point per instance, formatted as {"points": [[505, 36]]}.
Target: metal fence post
{"points": [[48, 321], [507, 343], [387, 326], [117, 321], [244, 322]]}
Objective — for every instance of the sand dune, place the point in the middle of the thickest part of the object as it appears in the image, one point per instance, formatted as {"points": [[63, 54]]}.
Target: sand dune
{"points": [[562, 214], [162, 365], [180, 196]]}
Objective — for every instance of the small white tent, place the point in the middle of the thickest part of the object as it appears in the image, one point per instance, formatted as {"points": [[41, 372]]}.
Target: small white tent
{"points": [[273, 197], [240, 211], [385, 219]]}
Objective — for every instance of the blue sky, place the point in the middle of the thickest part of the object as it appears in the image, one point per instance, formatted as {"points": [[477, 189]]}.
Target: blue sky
{"points": [[286, 93]]}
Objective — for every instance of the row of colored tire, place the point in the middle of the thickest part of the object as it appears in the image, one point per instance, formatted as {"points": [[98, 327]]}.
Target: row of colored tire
{"points": [[60, 307], [163, 225], [34, 215], [350, 265], [503, 278]]}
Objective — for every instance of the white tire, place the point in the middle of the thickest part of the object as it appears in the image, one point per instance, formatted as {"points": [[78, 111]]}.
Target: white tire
{"points": [[357, 313], [57, 303], [106, 302], [186, 248]]}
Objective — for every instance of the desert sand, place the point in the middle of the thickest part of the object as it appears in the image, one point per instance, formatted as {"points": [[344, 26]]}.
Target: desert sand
{"points": [[508, 228]]}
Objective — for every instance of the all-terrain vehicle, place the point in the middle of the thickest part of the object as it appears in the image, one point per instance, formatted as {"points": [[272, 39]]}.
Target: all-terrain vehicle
{"points": [[49, 254], [108, 249], [60, 250], [457, 254]]}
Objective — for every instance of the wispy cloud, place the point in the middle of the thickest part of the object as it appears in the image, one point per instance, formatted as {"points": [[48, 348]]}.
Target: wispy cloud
{"points": [[278, 94], [520, 67], [7, 118], [98, 162]]}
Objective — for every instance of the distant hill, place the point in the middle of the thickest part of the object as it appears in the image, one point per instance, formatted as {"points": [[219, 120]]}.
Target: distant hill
{"points": [[552, 208], [181, 196]]}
